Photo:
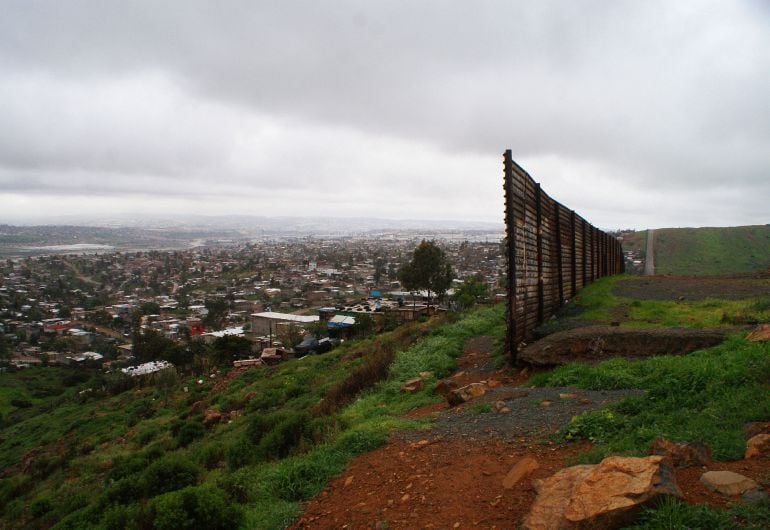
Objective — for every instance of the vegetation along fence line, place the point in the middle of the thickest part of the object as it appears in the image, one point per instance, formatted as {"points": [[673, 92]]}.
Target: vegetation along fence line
{"points": [[551, 252]]}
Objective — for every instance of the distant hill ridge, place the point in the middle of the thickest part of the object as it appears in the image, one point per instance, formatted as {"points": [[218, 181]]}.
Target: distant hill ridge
{"points": [[712, 251]]}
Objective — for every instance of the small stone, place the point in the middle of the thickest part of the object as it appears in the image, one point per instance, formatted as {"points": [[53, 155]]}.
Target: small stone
{"points": [[727, 482], [422, 443], [348, 481], [567, 396], [760, 334], [406, 497], [412, 385], [521, 469], [758, 445], [504, 410], [456, 525], [546, 403], [754, 497], [682, 454], [444, 387], [390, 502], [585, 401]]}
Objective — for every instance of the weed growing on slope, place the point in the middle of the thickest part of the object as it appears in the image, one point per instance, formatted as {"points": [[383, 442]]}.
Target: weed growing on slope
{"points": [[706, 396]]}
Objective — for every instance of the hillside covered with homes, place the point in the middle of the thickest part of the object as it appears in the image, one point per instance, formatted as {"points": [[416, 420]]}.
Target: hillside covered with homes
{"points": [[207, 307]]}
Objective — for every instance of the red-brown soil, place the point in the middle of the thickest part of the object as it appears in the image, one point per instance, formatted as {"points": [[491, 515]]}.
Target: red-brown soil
{"points": [[442, 479]]}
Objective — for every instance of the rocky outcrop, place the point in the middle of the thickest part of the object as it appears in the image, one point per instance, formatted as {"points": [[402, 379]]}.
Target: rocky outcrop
{"points": [[682, 454], [606, 495], [597, 343]]}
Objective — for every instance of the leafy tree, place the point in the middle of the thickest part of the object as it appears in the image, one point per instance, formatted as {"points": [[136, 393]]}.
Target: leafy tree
{"points": [[5, 348], [364, 325], [428, 269], [217, 310], [149, 308], [225, 350], [471, 291]]}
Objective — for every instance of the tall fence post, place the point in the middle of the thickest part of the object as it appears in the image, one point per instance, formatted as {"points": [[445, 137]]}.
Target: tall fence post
{"points": [[584, 259], [559, 259], [510, 229], [573, 255], [539, 228]]}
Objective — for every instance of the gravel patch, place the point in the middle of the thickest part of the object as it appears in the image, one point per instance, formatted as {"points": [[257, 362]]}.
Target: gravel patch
{"points": [[533, 412]]}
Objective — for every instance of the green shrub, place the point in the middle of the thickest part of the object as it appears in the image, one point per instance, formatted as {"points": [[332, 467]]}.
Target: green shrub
{"points": [[170, 473], [195, 507], [125, 490], [209, 456], [118, 517], [188, 432], [40, 506], [287, 434]]}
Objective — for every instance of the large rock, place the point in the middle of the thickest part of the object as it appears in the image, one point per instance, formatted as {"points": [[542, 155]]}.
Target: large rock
{"points": [[466, 393], [596, 343], [758, 445], [607, 495], [727, 482], [682, 454]]}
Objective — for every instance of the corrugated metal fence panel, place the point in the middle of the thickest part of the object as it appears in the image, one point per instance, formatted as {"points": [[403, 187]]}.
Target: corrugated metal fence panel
{"points": [[552, 252]]}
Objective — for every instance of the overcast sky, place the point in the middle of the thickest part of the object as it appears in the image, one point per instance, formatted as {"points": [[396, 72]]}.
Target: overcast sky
{"points": [[635, 114]]}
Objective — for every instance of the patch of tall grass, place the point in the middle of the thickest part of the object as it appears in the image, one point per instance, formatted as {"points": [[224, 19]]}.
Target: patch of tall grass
{"points": [[706, 396]]}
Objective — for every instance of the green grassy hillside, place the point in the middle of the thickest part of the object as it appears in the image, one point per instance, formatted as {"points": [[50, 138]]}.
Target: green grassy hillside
{"points": [[710, 251], [94, 451]]}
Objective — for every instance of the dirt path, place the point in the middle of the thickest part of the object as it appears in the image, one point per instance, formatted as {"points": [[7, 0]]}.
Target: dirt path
{"points": [[452, 475]]}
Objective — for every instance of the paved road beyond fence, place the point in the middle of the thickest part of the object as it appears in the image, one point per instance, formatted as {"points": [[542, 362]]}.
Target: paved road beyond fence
{"points": [[551, 252]]}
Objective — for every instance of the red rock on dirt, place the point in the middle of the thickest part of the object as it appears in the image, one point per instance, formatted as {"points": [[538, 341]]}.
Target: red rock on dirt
{"points": [[521, 469], [758, 445], [606, 495], [466, 393]]}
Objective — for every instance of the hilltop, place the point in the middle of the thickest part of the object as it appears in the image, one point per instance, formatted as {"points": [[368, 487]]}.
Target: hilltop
{"points": [[705, 251]]}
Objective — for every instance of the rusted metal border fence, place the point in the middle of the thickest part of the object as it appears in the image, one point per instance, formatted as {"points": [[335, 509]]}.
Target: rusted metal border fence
{"points": [[552, 253]]}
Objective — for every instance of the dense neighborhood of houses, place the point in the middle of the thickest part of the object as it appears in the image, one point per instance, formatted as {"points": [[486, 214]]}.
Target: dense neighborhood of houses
{"points": [[102, 310]]}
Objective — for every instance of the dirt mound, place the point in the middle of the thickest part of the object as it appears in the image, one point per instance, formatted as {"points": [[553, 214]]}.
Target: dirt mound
{"points": [[597, 343]]}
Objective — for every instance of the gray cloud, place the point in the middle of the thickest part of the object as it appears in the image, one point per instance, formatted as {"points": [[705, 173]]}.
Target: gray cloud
{"points": [[403, 108]]}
